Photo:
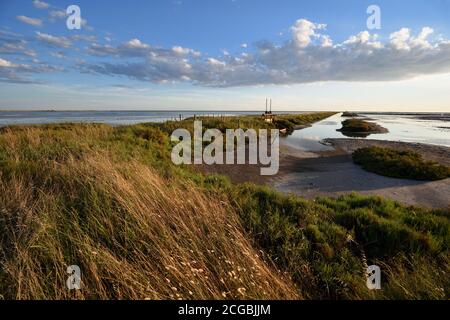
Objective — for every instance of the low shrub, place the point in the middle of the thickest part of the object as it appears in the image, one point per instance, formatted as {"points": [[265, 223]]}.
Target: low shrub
{"points": [[399, 164]]}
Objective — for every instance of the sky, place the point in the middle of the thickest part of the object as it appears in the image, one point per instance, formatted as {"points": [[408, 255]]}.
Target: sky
{"points": [[225, 55]]}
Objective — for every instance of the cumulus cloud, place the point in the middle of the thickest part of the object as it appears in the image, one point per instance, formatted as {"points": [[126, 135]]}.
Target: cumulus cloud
{"points": [[54, 41], [402, 39], [304, 31], [185, 51], [422, 39], [136, 44], [309, 56], [399, 39], [31, 21]]}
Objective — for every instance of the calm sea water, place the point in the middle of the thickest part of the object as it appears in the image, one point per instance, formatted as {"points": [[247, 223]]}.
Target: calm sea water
{"points": [[108, 117], [423, 128]]}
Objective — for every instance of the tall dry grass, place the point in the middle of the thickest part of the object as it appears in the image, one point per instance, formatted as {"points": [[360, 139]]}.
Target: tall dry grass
{"points": [[134, 235]]}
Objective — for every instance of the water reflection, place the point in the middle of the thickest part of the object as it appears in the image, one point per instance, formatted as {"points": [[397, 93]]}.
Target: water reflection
{"points": [[355, 134], [406, 128]]}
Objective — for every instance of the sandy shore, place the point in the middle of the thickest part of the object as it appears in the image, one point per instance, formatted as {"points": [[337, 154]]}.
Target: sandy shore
{"points": [[333, 173]]}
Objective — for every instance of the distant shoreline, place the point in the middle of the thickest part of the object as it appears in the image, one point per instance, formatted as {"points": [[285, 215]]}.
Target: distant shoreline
{"points": [[424, 113], [206, 111]]}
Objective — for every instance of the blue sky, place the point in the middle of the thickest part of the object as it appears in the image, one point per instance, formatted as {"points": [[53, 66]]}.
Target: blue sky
{"points": [[225, 55]]}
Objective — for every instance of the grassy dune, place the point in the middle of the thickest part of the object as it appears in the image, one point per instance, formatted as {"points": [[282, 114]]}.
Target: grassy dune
{"points": [[109, 200], [134, 233]]}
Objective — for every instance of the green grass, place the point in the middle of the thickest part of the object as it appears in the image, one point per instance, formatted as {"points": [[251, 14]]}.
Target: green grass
{"points": [[399, 164], [325, 243], [110, 200]]}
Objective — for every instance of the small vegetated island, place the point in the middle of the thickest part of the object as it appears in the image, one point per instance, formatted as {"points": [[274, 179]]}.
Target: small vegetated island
{"points": [[399, 164], [360, 128]]}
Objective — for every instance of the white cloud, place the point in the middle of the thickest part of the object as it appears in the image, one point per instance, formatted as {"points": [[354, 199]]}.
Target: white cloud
{"points": [[326, 41], [304, 30], [137, 48], [400, 39], [15, 46], [185, 51], [84, 24], [421, 39], [40, 4], [31, 21], [215, 62], [180, 50], [362, 37], [136, 44], [6, 64], [58, 14], [310, 56], [48, 39], [19, 73], [59, 54], [363, 41]]}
